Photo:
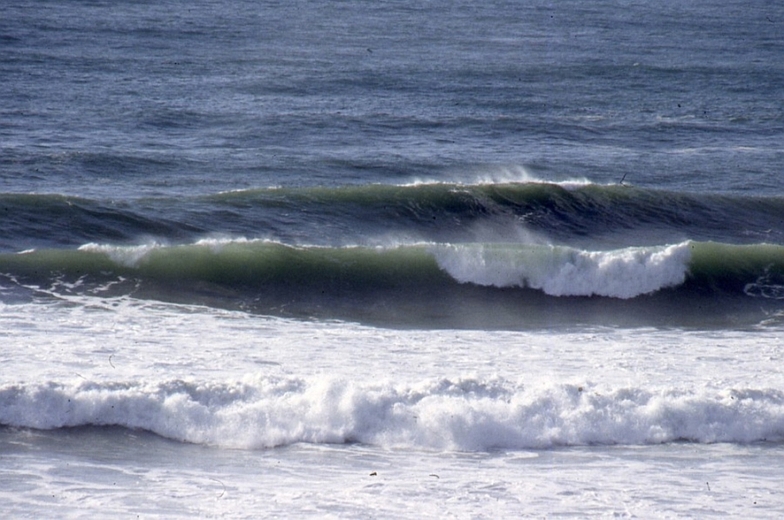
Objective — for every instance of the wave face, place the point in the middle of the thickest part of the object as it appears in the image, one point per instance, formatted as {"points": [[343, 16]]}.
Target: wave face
{"points": [[465, 414], [583, 215], [443, 285], [484, 254]]}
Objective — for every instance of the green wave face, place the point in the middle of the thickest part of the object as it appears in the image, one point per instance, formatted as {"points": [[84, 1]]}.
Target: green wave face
{"points": [[454, 285], [755, 270]]}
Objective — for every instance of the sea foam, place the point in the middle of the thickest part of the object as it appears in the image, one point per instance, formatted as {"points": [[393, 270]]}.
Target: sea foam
{"points": [[565, 271], [442, 414]]}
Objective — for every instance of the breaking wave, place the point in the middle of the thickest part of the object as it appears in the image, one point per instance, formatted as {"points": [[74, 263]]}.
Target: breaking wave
{"points": [[424, 284], [564, 271], [466, 414]]}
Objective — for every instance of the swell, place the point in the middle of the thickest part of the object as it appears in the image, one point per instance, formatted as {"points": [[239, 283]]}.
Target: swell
{"points": [[49, 220], [578, 215], [562, 212], [428, 284], [464, 414]]}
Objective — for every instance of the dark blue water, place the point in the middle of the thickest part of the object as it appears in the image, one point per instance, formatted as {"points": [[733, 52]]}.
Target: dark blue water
{"points": [[595, 127], [122, 98]]}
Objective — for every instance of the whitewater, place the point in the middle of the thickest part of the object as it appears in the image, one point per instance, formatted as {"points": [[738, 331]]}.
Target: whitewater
{"points": [[396, 260], [628, 422]]}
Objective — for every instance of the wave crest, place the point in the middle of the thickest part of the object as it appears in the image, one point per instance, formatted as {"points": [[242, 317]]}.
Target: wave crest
{"points": [[469, 415], [564, 271]]}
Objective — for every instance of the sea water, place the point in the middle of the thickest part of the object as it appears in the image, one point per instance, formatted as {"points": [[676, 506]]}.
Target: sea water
{"points": [[396, 260]]}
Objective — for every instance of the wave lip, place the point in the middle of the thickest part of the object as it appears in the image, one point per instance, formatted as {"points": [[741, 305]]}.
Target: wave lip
{"points": [[564, 271], [499, 174], [463, 415]]}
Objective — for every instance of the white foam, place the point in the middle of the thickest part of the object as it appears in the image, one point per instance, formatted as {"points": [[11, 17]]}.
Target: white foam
{"points": [[129, 256], [500, 174], [224, 378], [464, 414], [564, 271]]}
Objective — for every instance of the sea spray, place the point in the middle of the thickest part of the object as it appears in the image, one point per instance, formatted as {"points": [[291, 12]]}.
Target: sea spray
{"points": [[565, 271]]}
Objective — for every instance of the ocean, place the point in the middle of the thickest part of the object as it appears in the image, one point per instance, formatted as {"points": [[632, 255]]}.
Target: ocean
{"points": [[396, 259]]}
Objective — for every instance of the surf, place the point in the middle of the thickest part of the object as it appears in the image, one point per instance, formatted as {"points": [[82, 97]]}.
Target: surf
{"points": [[465, 414], [476, 285]]}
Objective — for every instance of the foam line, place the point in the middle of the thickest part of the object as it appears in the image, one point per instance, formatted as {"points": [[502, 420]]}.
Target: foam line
{"points": [[465, 414]]}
